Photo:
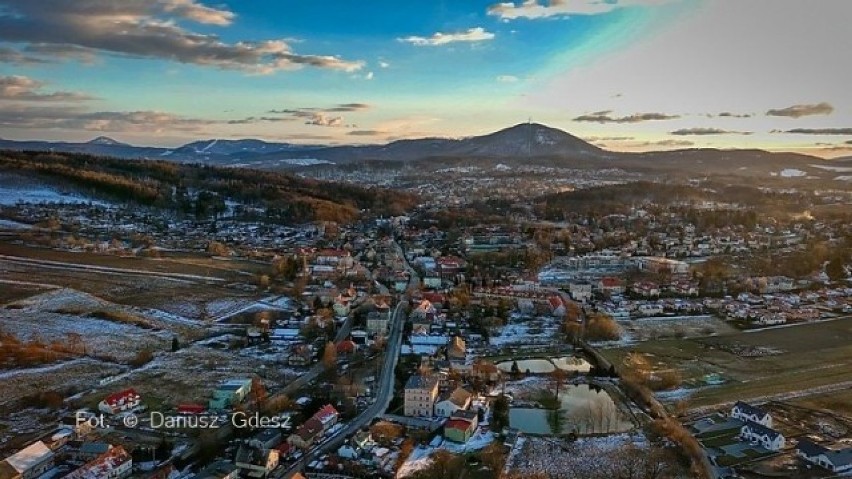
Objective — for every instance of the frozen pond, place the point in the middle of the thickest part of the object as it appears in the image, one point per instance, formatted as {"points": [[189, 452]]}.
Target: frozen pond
{"points": [[584, 409], [544, 366]]}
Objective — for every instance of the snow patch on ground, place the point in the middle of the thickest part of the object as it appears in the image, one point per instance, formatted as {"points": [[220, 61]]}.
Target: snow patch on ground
{"points": [[792, 173], [40, 194]]}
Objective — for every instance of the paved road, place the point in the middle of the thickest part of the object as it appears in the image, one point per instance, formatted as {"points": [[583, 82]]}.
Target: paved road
{"points": [[384, 394], [384, 390]]}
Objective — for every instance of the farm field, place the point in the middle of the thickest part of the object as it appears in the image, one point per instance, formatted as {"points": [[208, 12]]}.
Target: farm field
{"points": [[760, 364], [171, 262]]}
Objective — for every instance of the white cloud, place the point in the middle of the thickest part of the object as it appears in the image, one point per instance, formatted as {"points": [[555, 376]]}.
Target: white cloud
{"points": [[384, 64], [21, 88], [368, 76], [536, 9], [145, 29], [477, 34], [507, 79]]}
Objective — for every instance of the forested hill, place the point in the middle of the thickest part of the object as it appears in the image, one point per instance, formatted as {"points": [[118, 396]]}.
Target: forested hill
{"points": [[204, 190]]}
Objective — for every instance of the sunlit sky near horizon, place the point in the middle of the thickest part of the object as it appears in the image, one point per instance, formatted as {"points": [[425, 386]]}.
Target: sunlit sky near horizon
{"points": [[628, 75]]}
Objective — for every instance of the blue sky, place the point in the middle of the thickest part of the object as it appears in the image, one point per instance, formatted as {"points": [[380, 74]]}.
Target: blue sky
{"points": [[625, 74]]}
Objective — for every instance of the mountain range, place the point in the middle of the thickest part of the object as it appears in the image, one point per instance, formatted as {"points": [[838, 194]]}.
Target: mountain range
{"points": [[523, 142]]}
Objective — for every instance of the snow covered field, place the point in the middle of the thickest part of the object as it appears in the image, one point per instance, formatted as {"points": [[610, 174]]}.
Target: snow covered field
{"points": [[586, 457], [10, 195]]}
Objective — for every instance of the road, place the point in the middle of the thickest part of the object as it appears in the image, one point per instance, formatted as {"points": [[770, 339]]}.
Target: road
{"points": [[384, 390]]}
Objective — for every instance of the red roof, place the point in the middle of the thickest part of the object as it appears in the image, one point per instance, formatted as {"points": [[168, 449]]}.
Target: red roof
{"points": [[460, 424], [326, 412], [346, 346], [191, 409], [555, 301], [120, 396], [610, 282]]}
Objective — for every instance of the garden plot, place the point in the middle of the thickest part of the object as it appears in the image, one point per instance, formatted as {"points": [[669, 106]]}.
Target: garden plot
{"points": [[542, 330]]}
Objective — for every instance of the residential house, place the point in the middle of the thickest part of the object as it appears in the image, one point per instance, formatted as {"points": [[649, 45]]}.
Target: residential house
{"points": [[646, 289], [459, 430], [255, 462], [230, 393], [458, 399], [580, 291], [457, 349], [306, 434], [420, 395], [449, 267], [747, 412], [116, 463], [377, 321], [300, 355], [557, 306], [432, 280], [836, 461], [611, 285], [485, 370], [327, 416], [767, 437], [121, 401], [219, 470], [400, 282], [28, 463]]}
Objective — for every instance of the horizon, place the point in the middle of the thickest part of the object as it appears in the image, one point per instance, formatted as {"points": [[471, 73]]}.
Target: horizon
{"points": [[628, 76]]}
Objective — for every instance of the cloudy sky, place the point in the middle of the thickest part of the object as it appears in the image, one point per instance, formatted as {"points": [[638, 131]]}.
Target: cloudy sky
{"points": [[624, 74]]}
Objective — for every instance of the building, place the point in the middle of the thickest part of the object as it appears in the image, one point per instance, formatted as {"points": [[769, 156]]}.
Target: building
{"points": [[457, 348], [121, 401], [660, 265], [580, 291], [28, 463], [747, 412], [767, 437], [255, 462], [421, 393], [219, 470], [327, 416], [611, 285], [116, 463], [836, 461], [306, 434], [230, 393], [458, 399], [459, 430]]}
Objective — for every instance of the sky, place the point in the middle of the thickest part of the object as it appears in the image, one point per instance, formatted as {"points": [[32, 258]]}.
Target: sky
{"points": [[626, 75]]}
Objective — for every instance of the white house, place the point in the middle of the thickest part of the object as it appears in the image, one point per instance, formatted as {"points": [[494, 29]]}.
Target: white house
{"points": [[30, 462], [766, 437], [834, 461], [747, 412], [459, 399]]}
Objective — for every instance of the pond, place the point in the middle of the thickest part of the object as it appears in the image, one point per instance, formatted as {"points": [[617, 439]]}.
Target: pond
{"points": [[545, 366], [584, 409]]}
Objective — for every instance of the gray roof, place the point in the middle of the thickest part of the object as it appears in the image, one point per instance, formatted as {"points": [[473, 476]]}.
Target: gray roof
{"points": [[840, 458], [809, 448], [762, 430], [421, 382], [749, 409]]}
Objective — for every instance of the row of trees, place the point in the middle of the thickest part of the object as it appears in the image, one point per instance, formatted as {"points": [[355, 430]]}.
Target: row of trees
{"points": [[167, 185]]}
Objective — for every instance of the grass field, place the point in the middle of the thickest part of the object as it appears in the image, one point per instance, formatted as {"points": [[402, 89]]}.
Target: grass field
{"points": [[837, 401], [798, 358]]}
